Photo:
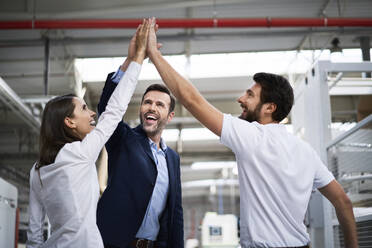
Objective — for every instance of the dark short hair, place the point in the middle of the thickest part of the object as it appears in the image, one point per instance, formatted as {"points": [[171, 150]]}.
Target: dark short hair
{"points": [[161, 88], [54, 134], [275, 89]]}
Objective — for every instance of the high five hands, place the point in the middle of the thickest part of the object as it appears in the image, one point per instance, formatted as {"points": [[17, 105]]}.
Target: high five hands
{"points": [[139, 45], [153, 46], [140, 41]]}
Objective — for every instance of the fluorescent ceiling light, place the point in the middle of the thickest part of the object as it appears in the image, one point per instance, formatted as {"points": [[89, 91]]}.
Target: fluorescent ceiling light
{"points": [[220, 65]]}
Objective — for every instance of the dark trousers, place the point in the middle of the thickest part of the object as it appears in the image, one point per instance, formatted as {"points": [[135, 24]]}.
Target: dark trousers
{"points": [[111, 246], [129, 246], [305, 246]]}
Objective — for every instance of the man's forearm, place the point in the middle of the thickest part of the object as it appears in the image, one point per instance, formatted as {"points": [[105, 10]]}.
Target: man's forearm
{"points": [[181, 88], [344, 210], [346, 219], [188, 95]]}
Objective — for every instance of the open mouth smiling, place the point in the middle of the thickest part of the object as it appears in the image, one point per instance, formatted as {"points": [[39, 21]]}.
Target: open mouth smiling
{"points": [[151, 118]]}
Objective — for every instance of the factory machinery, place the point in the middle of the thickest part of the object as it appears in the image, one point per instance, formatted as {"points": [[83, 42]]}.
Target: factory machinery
{"points": [[9, 215], [219, 231]]}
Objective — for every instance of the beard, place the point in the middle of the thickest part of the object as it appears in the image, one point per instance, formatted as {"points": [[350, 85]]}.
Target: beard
{"points": [[252, 115], [154, 129]]}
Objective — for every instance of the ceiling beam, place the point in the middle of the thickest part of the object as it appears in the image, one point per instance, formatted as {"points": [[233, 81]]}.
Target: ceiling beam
{"points": [[36, 75], [322, 12], [14, 102], [182, 37], [120, 9]]}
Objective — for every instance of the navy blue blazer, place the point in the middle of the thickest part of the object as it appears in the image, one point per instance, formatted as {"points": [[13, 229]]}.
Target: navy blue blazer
{"points": [[131, 179]]}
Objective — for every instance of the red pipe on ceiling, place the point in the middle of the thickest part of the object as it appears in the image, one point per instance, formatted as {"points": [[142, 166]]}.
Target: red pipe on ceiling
{"points": [[190, 23]]}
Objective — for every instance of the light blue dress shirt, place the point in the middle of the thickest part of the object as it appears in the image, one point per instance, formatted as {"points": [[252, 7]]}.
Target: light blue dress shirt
{"points": [[150, 225]]}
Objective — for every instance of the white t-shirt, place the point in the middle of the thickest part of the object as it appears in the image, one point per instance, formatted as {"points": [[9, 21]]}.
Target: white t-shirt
{"points": [[277, 172], [67, 191]]}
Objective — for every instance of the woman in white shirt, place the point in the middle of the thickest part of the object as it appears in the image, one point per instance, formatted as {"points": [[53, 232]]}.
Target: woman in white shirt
{"points": [[63, 183]]}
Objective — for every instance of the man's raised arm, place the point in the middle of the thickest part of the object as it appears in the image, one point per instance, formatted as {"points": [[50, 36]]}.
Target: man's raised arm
{"points": [[183, 90], [344, 211]]}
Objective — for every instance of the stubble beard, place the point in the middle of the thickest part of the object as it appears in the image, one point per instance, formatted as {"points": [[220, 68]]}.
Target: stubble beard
{"points": [[156, 129], [252, 116]]}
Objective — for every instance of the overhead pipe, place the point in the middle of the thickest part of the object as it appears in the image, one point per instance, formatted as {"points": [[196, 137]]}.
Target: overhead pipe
{"points": [[189, 23]]}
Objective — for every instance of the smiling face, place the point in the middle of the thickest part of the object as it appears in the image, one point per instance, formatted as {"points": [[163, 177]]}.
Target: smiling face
{"points": [[154, 112], [82, 121], [251, 104]]}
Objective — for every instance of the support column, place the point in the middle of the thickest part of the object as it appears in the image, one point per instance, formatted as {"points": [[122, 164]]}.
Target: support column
{"points": [[366, 55], [364, 102], [318, 134]]}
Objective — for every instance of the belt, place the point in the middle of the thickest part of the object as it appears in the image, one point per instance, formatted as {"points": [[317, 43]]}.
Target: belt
{"points": [[142, 243]]}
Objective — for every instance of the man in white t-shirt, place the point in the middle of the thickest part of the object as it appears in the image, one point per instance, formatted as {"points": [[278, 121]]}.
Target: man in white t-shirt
{"points": [[277, 171]]}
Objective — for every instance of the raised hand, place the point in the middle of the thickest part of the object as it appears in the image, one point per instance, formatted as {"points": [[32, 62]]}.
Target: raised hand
{"points": [[132, 45], [153, 45], [131, 49], [141, 41]]}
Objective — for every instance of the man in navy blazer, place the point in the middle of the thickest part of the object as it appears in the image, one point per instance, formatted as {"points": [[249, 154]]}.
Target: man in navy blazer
{"points": [[142, 204]]}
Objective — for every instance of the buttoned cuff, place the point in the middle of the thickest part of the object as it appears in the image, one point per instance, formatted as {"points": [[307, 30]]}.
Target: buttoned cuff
{"points": [[117, 76]]}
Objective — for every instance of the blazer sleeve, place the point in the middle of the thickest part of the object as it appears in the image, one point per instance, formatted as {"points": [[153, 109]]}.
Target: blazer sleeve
{"points": [[36, 215], [178, 236], [107, 91], [113, 113]]}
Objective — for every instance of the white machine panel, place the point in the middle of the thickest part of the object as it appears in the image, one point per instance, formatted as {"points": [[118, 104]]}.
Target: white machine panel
{"points": [[220, 231], [8, 213]]}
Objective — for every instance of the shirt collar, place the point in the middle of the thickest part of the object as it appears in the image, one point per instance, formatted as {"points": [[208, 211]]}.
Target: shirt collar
{"points": [[162, 144]]}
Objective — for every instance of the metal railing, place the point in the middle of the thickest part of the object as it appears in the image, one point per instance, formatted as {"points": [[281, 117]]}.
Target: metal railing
{"points": [[350, 160]]}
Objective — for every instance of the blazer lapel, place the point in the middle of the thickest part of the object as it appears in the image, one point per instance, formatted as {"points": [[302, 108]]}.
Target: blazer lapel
{"points": [[144, 140], [172, 177]]}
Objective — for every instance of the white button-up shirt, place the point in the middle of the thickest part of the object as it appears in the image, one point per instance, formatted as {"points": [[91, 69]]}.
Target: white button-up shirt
{"points": [[67, 191]]}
